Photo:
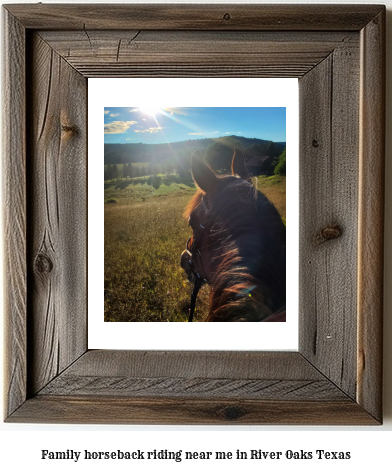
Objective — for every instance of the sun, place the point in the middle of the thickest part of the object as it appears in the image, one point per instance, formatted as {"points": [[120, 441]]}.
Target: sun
{"points": [[152, 111]]}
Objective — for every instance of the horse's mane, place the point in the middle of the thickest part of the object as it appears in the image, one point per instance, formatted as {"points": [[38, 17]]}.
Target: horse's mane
{"points": [[193, 203], [249, 281]]}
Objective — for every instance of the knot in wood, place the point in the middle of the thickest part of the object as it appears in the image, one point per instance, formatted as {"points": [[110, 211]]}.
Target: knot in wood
{"points": [[232, 412], [43, 264], [315, 143], [227, 16], [328, 233], [69, 128]]}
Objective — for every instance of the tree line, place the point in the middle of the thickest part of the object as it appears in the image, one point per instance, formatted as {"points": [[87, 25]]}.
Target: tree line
{"points": [[119, 153], [218, 155], [129, 171]]}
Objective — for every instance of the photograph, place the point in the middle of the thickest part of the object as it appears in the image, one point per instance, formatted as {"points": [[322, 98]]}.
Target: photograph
{"points": [[195, 214]]}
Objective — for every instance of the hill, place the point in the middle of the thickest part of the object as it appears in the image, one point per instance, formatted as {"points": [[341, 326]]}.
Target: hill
{"points": [[181, 151]]}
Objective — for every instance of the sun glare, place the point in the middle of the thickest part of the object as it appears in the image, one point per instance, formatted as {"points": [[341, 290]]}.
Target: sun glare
{"points": [[152, 111]]}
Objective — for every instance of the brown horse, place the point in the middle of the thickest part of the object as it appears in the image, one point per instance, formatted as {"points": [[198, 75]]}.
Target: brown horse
{"points": [[238, 245]]}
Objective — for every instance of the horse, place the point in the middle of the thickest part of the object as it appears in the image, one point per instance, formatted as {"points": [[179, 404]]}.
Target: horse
{"points": [[238, 245]]}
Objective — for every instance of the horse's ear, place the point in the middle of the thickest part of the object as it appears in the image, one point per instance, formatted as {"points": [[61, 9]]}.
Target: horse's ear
{"points": [[238, 166], [203, 175]]}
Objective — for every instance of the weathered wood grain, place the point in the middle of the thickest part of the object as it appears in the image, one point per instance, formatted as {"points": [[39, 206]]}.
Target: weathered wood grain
{"points": [[102, 409], [116, 44], [205, 374], [58, 215], [371, 216], [193, 17], [205, 364], [196, 53], [336, 376], [14, 209], [329, 134], [204, 388], [217, 70]]}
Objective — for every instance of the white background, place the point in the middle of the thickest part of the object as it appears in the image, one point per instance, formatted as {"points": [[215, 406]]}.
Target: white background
{"points": [[20, 445], [206, 92]]}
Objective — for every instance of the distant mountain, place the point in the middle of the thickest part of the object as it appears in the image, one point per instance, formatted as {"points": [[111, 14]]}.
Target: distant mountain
{"points": [[181, 152]]}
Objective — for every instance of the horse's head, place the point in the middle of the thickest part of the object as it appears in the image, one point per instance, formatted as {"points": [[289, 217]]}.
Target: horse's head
{"points": [[237, 244], [196, 259]]}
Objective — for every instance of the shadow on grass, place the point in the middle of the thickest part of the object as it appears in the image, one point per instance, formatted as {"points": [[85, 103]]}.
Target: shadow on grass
{"points": [[138, 181], [122, 184], [168, 180], [154, 181]]}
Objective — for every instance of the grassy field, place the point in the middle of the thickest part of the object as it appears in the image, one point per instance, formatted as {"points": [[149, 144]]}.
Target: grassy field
{"points": [[274, 188], [138, 189], [144, 237]]}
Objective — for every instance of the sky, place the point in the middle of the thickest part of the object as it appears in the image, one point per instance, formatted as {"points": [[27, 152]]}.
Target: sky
{"points": [[160, 125]]}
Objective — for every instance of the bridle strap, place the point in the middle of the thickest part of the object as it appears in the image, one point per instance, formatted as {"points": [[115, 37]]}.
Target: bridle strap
{"points": [[198, 280], [195, 291]]}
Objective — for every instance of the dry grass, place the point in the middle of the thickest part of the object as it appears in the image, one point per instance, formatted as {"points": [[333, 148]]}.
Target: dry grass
{"points": [[143, 277], [274, 188]]}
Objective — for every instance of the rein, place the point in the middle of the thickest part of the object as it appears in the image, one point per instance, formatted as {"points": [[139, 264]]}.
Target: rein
{"points": [[196, 288]]}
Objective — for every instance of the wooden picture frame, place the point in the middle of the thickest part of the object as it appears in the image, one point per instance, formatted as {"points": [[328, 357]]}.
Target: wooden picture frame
{"points": [[338, 54]]}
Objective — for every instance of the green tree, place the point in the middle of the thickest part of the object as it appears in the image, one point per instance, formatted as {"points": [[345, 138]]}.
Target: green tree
{"points": [[152, 167], [106, 176], [110, 173], [115, 172], [125, 171], [271, 151], [280, 168], [257, 149], [219, 157]]}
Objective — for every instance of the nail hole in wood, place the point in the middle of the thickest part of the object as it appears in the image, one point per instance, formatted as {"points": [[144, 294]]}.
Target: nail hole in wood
{"points": [[227, 16], [315, 143]]}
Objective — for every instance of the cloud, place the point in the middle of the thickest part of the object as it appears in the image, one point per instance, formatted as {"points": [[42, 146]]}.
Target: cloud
{"points": [[150, 130], [203, 133], [133, 110], [114, 115], [118, 127], [107, 111], [177, 110]]}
